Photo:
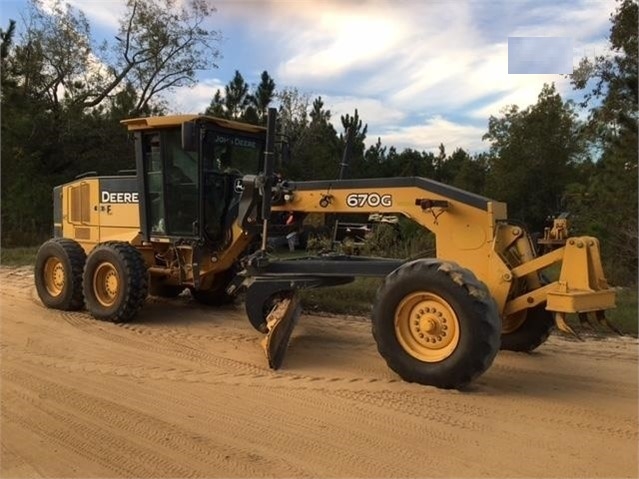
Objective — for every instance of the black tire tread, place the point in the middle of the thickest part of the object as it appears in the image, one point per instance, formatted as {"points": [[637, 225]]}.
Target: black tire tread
{"points": [[532, 333], [490, 325], [76, 257], [135, 289]]}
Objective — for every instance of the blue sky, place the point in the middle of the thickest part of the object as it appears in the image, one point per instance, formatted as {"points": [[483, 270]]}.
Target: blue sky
{"points": [[419, 72]]}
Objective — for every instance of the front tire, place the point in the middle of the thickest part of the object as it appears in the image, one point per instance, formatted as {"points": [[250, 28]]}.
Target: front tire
{"points": [[58, 274], [436, 324], [115, 282]]}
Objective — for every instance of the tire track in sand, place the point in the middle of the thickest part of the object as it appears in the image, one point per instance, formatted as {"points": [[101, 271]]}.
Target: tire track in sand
{"points": [[136, 432]]}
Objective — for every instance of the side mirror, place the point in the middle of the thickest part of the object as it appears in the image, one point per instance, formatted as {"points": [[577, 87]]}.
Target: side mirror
{"points": [[190, 132]]}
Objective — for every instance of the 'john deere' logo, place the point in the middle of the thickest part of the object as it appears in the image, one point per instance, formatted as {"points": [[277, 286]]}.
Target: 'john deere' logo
{"points": [[108, 197]]}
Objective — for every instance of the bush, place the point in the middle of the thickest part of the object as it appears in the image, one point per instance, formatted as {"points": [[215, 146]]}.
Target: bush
{"points": [[405, 239]]}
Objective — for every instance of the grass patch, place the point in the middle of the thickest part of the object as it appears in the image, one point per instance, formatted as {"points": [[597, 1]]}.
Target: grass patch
{"points": [[624, 316], [353, 298], [18, 256]]}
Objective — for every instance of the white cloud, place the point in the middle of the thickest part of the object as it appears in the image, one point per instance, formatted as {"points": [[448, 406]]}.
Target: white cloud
{"points": [[372, 111], [104, 12], [428, 136], [193, 100], [394, 60], [428, 57], [341, 42], [524, 95]]}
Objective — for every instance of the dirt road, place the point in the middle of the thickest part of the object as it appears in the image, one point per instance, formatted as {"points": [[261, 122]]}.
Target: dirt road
{"points": [[184, 391]]}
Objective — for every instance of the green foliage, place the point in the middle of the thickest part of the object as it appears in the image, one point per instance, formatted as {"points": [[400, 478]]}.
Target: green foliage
{"points": [[63, 98], [262, 97], [239, 103], [353, 298], [403, 240], [316, 151], [534, 154], [625, 315], [18, 256], [606, 204], [236, 96], [356, 131], [319, 244]]}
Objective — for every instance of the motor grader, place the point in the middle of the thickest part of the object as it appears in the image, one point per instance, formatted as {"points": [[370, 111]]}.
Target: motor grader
{"points": [[203, 196]]}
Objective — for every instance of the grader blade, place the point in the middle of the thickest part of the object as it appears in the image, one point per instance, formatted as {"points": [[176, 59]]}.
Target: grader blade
{"points": [[280, 323], [560, 322], [601, 317]]}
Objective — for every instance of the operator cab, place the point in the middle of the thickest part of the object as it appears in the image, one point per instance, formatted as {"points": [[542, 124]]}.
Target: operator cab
{"points": [[190, 166]]}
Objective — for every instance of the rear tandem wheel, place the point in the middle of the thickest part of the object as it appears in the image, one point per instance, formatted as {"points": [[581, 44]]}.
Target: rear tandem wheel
{"points": [[435, 323], [115, 282], [58, 274]]}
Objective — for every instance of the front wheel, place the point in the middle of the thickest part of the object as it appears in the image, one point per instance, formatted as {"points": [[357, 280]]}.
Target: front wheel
{"points": [[435, 323], [115, 282]]}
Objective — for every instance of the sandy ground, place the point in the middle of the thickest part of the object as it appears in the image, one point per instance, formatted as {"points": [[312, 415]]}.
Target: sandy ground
{"points": [[184, 391]]}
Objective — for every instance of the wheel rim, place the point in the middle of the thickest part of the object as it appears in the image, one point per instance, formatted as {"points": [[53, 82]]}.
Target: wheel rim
{"points": [[513, 322], [54, 276], [106, 284], [427, 327]]}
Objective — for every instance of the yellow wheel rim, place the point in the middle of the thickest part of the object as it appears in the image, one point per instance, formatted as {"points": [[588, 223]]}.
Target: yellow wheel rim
{"points": [[106, 284], [513, 322], [426, 327], [54, 276]]}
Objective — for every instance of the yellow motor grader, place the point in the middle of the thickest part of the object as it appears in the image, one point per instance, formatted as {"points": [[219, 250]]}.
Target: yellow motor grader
{"points": [[202, 197]]}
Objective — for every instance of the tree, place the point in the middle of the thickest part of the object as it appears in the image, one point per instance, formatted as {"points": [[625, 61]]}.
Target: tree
{"points": [[6, 39], [533, 155], [318, 113], [216, 107], [357, 165], [607, 205], [463, 171], [63, 97], [236, 97], [261, 99], [292, 125], [471, 173], [614, 77], [159, 46], [316, 154]]}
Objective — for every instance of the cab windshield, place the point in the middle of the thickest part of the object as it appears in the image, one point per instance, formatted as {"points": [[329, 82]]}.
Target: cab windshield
{"points": [[225, 158], [224, 152]]}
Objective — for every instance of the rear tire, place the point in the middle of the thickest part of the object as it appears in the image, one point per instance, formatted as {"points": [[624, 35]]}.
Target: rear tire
{"points": [[436, 324], [58, 274], [115, 282], [532, 333]]}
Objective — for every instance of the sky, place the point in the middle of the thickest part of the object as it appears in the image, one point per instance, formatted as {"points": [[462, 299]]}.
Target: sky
{"points": [[420, 72]]}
